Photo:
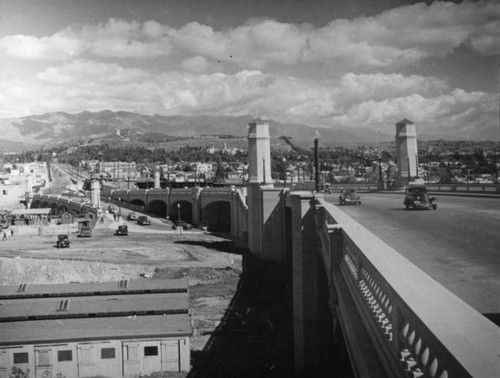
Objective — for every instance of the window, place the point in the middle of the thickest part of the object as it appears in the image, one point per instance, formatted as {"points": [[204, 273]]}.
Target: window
{"points": [[43, 357], [64, 355], [20, 358], [107, 353], [151, 351]]}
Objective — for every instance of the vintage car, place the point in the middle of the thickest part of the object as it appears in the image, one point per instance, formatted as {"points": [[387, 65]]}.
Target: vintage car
{"points": [[111, 209], [122, 230], [349, 197], [62, 241], [132, 216], [417, 197], [143, 220]]}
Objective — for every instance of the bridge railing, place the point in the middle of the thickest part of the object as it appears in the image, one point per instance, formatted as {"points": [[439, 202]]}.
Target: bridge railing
{"points": [[417, 327]]}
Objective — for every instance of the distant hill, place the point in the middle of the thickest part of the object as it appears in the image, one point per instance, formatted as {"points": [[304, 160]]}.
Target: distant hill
{"points": [[58, 129]]}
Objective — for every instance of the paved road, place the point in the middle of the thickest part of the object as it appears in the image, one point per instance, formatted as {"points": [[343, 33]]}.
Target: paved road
{"points": [[458, 244]]}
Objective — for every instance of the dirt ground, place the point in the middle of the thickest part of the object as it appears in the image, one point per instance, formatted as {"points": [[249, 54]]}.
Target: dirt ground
{"points": [[148, 252]]}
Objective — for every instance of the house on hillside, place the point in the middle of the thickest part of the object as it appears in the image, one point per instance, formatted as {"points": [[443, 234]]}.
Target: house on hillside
{"points": [[110, 329]]}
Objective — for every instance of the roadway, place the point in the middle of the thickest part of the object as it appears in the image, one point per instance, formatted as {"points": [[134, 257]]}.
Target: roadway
{"points": [[458, 244]]}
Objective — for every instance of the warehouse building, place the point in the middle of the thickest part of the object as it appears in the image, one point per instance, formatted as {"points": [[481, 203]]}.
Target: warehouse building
{"points": [[112, 329]]}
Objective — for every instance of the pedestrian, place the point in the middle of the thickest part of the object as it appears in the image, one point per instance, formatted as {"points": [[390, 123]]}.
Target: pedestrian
{"points": [[12, 233], [114, 216], [4, 236]]}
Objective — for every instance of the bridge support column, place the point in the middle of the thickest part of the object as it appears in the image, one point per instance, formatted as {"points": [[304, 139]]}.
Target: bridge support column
{"points": [[313, 325], [266, 236]]}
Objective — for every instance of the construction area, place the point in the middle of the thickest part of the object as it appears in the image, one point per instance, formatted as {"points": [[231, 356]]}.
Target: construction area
{"points": [[241, 308]]}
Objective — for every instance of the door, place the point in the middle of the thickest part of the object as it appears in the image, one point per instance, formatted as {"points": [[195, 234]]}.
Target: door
{"points": [[44, 365], [152, 358], [170, 355], [86, 360], [131, 359]]}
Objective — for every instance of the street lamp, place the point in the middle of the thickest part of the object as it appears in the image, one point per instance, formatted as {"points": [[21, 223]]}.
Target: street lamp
{"points": [[284, 172], [179, 213], [316, 163], [119, 208]]}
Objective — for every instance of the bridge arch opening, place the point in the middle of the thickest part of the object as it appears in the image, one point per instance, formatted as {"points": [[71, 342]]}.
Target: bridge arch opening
{"points": [[158, 208], [55, 210], [216, 216], [138, 202], [185, 211]]}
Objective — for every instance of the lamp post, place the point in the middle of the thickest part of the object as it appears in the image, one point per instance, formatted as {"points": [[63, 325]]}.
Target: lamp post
{"points": [[316, 163], [179, 217], [119, 208], [284, 172]]}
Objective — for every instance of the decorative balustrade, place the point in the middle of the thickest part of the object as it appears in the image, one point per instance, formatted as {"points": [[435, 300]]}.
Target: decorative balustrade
{"points": [[418, 328]]}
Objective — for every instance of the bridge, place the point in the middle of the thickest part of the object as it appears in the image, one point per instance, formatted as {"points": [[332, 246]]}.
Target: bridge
{"points": [[396, 320]]}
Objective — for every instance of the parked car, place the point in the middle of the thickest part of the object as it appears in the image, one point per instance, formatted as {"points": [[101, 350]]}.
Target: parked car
{"points": [[122, 230], [132, 216], [184, 225], [62, 241], [417, 197], [143, 220], [349, 197]]}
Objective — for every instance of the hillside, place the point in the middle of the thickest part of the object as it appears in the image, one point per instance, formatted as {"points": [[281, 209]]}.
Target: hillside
{"points": [[56, 129]]}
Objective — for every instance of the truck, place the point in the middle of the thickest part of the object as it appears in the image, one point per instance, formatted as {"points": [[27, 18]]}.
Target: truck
{"points": [[84, 228]]}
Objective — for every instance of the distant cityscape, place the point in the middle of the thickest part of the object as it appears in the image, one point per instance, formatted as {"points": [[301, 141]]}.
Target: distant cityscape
{"points": [[438, 162]]}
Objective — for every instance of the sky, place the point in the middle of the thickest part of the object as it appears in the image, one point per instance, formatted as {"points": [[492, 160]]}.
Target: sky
{"points": [[323, 63]]}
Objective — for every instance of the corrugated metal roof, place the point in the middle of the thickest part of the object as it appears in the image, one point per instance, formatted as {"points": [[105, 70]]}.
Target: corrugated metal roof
{"points": [[101, 306], [66, 330], [141, 309], [94, 288], [30, 211]]}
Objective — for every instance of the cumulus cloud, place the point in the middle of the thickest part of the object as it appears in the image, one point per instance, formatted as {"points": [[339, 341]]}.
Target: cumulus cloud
{"points": [[399, 36], [88, 85], [57, 47]]}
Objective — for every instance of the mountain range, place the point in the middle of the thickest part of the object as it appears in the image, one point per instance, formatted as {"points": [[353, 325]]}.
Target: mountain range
{"points": [[60, 129]]}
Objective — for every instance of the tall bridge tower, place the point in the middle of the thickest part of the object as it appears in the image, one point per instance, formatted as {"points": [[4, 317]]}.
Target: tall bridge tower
{"points": [[407, 152], [265, 202], [259, 153]]}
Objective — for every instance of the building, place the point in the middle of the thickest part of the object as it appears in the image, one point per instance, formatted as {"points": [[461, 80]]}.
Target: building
{"points": [[111, 329]]}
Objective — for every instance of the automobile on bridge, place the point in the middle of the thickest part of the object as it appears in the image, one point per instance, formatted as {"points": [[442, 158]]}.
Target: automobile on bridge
{"points": [[417, 197], [349, 197]]}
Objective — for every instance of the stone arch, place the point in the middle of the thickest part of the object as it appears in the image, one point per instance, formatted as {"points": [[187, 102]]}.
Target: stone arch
{"points": [[157, 207], [216, 216], [186, 211], [138, 202]]}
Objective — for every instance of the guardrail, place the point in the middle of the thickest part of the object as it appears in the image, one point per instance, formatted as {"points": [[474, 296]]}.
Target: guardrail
{"points": [[416, 326]]}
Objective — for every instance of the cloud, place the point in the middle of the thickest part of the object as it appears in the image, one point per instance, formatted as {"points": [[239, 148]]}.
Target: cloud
{"points": [[355, 101], [127, 39], [57, 47], [401, 36]]}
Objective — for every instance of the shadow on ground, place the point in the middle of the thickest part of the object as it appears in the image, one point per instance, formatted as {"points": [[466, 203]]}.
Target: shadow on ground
{"points": [[255, 336]]}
